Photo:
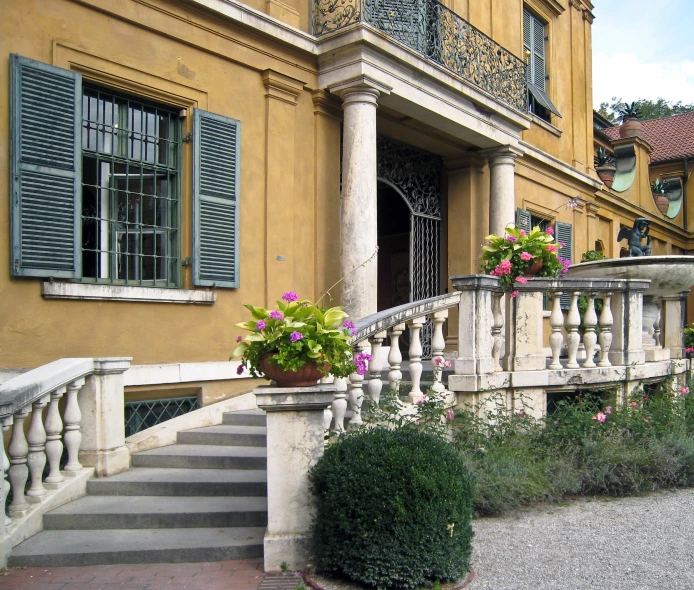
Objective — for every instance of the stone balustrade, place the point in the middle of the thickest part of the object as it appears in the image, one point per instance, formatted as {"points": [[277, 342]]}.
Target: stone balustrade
{"points": [[71, 405]]}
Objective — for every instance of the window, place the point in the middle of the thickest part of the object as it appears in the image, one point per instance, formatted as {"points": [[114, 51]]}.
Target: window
{"points": [[534, 39], [130, 175], [95, 181]]}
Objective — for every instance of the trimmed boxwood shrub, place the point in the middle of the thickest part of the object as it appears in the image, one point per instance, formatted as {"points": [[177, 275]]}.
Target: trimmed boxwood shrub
{"points": [[394, 509]]}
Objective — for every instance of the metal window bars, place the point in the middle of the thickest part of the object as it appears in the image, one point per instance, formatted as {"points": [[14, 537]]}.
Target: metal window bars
{"points": [[140, 415], [130, 177], [438, 33]]}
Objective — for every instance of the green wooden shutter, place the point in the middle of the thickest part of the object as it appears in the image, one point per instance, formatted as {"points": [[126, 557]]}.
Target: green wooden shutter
{"points": [[216, 157], [528, 44], [45, 170], [563, 232], [523, 220], [538, 35]]}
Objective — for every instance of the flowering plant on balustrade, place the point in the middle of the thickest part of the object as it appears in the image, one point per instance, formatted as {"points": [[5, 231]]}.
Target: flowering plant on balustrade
{"points": [[298, 332], [510, 256]]}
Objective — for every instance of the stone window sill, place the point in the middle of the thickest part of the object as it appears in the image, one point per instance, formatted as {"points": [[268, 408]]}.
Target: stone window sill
{"points": [[545, 125], [126, 293]]}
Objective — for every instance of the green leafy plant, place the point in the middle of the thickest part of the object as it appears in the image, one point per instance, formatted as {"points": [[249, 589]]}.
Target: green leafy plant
{"points": [[508, 257], [393, 509], [689, 338], [629, 111], [657, 187], [603, 158], [298, 332], [591, 256]]}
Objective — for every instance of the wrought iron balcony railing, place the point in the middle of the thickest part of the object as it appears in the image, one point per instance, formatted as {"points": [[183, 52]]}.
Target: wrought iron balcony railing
{"points": [[436, 32]]}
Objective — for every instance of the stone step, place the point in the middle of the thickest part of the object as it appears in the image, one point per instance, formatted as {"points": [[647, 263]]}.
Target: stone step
{"points": [[181, 482], [116, 546], [225, 434], [245, 418], [154, 512], [203, 457]]}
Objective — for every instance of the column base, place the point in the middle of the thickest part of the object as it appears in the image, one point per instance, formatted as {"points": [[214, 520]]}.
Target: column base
{"points": [[292, 549], [106, 463], [5, 548]]}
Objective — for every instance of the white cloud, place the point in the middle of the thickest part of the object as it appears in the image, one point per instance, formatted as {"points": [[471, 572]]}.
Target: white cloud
{"points": [[626, 76]]}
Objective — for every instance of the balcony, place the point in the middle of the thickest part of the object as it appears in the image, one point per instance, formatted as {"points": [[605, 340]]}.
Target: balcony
{"points": [[431, 29]]}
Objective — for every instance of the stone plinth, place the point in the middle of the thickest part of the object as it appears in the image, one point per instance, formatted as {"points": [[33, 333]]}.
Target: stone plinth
{"points": [[294, 444]]}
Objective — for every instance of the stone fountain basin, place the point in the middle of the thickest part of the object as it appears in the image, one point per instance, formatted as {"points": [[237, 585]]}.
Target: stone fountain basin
{"points": [[668, 274]]}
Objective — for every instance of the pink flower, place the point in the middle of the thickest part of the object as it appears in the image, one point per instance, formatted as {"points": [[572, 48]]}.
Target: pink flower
{"points": [[521, 280], [511, 239], [239, 370], [600, 417], [276, 315], [522, 232], [683, 390], [447, 364], [646, 420], [573, 203], [290, 296], [260, 325], [634, 404], [608, 410], [689, 350], [513, 294], [551, 248], [296, 336], [521, 413], [238, 339], [450, 415], [437, 361], [550, 231], [526, 256], [505, 267]]}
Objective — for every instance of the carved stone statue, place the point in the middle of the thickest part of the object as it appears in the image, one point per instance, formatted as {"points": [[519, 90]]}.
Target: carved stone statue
{"points": [[640, 231]]}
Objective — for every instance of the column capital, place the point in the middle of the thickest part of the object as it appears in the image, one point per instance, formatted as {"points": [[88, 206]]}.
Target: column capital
{"points": [[361, 88], [282, 87], [468, 161], [326, 104], [506, 154]]}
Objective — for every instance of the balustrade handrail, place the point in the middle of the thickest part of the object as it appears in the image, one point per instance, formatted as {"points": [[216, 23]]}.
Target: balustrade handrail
{"points": [[382, 320], [24, 389], [597, 285], [438, 33]]}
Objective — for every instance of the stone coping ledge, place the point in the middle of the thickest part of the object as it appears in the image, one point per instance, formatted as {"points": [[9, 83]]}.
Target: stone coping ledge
{"points": [[83, 291]]}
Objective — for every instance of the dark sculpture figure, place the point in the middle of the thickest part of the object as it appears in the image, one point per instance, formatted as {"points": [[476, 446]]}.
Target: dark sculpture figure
{"points": [[640, 231]]}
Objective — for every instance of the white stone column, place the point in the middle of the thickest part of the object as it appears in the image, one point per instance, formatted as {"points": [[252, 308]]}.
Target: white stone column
{"points": [[502, 192], [358, 227], [294, 445], [102, 403]]}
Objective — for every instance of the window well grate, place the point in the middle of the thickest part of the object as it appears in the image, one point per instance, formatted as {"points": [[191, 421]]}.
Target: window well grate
{"points": [[144, 414]]}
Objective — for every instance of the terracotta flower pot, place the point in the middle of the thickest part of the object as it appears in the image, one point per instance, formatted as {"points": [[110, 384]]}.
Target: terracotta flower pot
{"points": [[662, 202], [606, 174], [534, 268], [630, 128], [306, 376]]}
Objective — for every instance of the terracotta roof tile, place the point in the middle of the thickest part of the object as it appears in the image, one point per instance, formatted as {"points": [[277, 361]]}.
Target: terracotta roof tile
{"points": [[672, 138]]}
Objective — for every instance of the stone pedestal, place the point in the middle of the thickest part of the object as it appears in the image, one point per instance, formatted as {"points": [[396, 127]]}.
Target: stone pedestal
{"points": [[294, 445], [101, 403], [674, 322]]}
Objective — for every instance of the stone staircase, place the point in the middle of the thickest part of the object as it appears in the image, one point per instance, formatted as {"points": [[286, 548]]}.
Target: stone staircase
{"points": [[201, 499]]}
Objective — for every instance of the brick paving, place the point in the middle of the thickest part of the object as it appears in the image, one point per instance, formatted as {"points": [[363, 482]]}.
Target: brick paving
{"points": [[244, 574]]}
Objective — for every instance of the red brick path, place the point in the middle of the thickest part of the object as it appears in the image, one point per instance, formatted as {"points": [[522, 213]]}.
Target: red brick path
{"points": [[245, 574]]}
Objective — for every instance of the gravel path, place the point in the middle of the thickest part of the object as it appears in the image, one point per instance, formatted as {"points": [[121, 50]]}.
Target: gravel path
{"points": [[632, 543]]}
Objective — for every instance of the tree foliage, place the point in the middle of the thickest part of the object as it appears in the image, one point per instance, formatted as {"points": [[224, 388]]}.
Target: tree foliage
{"points": [[650, 109]]}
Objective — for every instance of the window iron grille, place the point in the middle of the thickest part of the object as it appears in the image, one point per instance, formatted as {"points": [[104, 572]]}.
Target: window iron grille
{"points": [[130, 187], [140, 415]]}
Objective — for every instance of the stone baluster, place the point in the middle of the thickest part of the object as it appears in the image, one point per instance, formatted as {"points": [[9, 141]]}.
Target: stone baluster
{"points": [[18, 472], [497, 330], [4, 482], [395, 358], [590, 338], [438, 343], [656, 323], [415, 351], [356, 392], [375, 366], [573, 321], [605, 337], [73, 436], [339, 405], [36, 459], [556, 321], [54, 444]]}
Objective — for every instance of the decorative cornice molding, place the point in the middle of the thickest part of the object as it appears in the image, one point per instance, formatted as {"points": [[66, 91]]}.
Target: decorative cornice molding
{"points": [[468, 161], [553, 6], [360, 83], [326, 104], [282, 87], [592, 209], [501, 155], [589, 16]]}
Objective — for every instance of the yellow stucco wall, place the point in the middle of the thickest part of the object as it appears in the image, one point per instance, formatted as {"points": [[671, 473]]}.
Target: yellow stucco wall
{"points": [[133, 47]]}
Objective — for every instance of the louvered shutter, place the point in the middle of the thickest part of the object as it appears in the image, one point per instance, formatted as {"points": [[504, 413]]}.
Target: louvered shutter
{"points": [[538, 54], [528, 44], [217, 142], [563, 232], [45, 170], [523, 220]]}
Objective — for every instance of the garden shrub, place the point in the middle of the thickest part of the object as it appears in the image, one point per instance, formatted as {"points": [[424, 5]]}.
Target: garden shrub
{"points": [[393, 509]]}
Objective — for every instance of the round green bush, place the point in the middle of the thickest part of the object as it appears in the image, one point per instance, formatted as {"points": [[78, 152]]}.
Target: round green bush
{"points": [[394, 509]]}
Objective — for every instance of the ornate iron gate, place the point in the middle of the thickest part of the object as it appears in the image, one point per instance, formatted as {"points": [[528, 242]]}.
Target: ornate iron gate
{"points": [[416, 175]]}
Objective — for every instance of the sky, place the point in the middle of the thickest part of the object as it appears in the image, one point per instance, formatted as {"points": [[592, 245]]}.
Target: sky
{"points": [[643, 49]]}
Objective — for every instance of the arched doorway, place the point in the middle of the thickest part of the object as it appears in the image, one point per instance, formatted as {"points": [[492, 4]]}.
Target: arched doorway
{"points": [[409, 226]]}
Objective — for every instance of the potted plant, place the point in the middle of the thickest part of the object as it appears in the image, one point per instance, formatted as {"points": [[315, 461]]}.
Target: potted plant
{"points": [[520, 254], [298, 343], [591, 256], [661, 200], [630, 114], [604, 166]]}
